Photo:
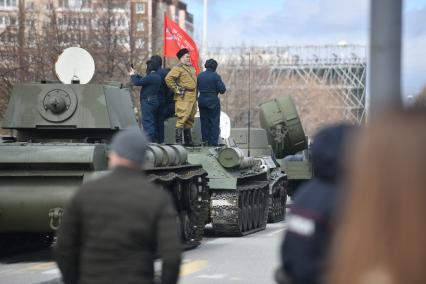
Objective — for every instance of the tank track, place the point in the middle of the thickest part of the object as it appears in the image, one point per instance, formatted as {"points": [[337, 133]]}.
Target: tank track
{"points": [[188, 186], [13, 243], [242, 211], [278, 201]]}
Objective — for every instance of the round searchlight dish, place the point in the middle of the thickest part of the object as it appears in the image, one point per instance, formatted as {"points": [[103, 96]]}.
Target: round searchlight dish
{"points": [[75, 64]]}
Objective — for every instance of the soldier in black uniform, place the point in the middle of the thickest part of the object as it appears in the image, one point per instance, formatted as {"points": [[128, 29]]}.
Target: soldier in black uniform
{"points": [[150, 105], [210, 85], [114, 227], [311, 219], [165, 97]]}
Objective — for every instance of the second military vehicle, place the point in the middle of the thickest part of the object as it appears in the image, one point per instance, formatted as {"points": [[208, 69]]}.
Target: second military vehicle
{"points": [[247, 185]]}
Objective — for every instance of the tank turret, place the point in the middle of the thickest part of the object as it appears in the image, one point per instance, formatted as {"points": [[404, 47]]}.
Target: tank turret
{"points": [[284, 130], [280, 119]]}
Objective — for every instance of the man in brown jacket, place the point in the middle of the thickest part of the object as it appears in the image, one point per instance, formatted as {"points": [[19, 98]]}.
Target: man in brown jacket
{"points": [[182, 80], [114, 227]]}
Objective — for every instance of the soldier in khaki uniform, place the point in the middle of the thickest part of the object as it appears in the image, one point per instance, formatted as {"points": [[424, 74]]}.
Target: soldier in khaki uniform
{"points": [[182, 80]]}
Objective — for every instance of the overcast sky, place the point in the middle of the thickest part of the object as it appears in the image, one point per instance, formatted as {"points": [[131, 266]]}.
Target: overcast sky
{"points": [[298, 22]]}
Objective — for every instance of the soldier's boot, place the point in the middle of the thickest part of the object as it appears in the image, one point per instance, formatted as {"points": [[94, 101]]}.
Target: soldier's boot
{"points": [[179, 136], [187, 137]]}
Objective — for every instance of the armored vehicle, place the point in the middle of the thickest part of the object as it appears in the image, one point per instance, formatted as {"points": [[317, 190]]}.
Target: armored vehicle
{"points": [[248, 186], [238, 188], [238, 185], [62, 136], [281, 136]]}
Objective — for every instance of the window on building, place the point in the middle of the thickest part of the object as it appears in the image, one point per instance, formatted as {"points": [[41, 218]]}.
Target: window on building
{"points": [[4, 21], [140, 26], [63, 3], [139, 43], [140, 8], [7, 3]]}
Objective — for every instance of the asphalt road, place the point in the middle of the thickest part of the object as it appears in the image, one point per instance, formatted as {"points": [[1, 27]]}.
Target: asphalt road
{"points": [[249, 260]]}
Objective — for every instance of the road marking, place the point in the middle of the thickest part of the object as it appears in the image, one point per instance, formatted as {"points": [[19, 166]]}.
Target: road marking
{"points": [[192, 267], [42, 266]]}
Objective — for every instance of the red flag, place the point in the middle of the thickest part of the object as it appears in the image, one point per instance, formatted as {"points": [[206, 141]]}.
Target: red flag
{"points": [[175, 38]]}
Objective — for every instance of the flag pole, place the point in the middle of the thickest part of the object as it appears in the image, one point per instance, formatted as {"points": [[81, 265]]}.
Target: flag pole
{"points": [[249, 103], [164, 41]]}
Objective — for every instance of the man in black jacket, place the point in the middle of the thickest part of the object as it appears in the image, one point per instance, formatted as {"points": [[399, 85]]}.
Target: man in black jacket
{"points": [[311, 220], [210, 85], [114, 227], [165, 97], [151, 84]]}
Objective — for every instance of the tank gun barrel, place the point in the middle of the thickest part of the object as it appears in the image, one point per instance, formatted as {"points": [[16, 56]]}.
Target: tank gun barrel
{"points": [[232, 157]]}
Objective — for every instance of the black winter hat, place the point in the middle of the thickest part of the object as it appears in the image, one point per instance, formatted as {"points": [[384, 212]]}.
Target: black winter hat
{"points": [[157, 59], [130, 143], [151, 66], [328, 150], [182, 52], [211, 63]]}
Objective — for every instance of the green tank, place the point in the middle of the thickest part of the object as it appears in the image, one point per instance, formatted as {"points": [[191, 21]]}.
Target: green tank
{"points": [[238, 185], [238, 189], [248, 185], [62, 132]]}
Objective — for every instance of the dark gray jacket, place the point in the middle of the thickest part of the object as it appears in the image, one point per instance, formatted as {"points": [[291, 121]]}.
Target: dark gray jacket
{"points": [[113, 229]]}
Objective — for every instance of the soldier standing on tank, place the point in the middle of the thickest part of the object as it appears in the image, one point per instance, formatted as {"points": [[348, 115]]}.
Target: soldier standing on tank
{"points": [[209, 85], [182, 80], [149, 98], [165, 96], [115, 226]]}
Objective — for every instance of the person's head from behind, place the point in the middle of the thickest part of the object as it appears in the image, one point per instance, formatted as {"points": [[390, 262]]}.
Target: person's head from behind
{"points": [[211, 64], [152, 66], [128, 149], [329, 151], [157, 62], [183, 56], [382, 235]]}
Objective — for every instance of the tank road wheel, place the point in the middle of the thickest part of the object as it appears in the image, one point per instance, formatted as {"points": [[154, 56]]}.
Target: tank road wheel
{"points": [[252, 205], [249, 211], [185, 228], [256, 207], [278, 206], [191, 196], [246, 213], [240, 213], [260, 207], [179, 228], [264, 211]]}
